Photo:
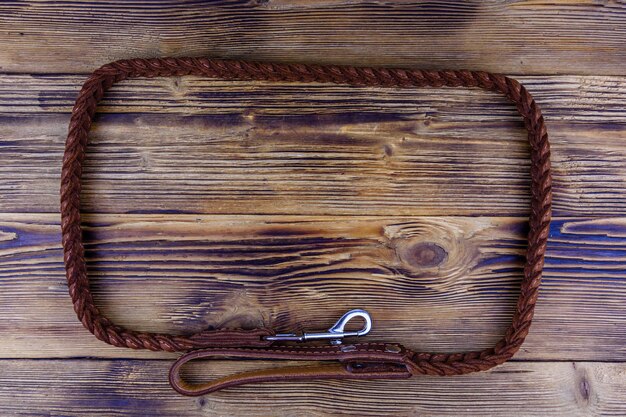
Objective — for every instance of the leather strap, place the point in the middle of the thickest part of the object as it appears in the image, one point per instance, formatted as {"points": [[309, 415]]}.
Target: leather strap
{"points": [[359, 361], [362, 361]]}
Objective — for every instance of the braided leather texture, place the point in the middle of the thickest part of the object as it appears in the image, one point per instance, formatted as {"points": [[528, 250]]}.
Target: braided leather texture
{"points": [[417, 363]]}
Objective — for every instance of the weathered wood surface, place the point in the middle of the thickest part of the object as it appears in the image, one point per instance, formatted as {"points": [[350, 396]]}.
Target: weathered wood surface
{"points": [[433, 283], [137, 388], [502, 36], [206, 146], [235, 203]]}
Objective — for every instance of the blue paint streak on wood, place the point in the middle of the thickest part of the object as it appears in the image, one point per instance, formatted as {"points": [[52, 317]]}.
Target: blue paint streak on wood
{"points": [[594, 256], [601, 229], [591, 232], [502, 259], [163, 211], [27, 238]]}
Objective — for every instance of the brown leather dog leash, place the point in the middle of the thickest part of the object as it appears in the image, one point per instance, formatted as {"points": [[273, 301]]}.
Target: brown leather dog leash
{"points": [[347, 360]]}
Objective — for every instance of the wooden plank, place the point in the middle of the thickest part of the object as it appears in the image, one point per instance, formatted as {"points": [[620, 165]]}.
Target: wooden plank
{"points": [[273, 149], [432, 283], [514, 37], [139, 388], [284, 205], [571, 98]]}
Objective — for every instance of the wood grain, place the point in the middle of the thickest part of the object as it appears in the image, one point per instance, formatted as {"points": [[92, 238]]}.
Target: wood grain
{"points": [[500, 36], [432, 283], [139, 388], [216, 203], [200, 146], [571, 98]]}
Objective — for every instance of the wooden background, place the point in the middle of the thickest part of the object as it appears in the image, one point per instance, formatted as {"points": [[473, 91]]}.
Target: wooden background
{"points": [[244, 204]]}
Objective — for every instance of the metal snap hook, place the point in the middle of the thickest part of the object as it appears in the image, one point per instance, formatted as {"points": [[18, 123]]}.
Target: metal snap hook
{"points": [[335, 334]]}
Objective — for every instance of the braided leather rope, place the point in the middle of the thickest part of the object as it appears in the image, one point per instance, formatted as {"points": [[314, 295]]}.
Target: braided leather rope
{"points": [[417, 363]]}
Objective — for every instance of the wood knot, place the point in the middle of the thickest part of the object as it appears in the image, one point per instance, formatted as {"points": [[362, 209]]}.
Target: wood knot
{"points": [[177, 87], [424, 254], [584, 391], [438, 254]]}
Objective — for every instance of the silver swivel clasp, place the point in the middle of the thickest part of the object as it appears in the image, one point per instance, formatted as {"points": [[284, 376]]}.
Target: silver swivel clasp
{"points": [[335, 334]]}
